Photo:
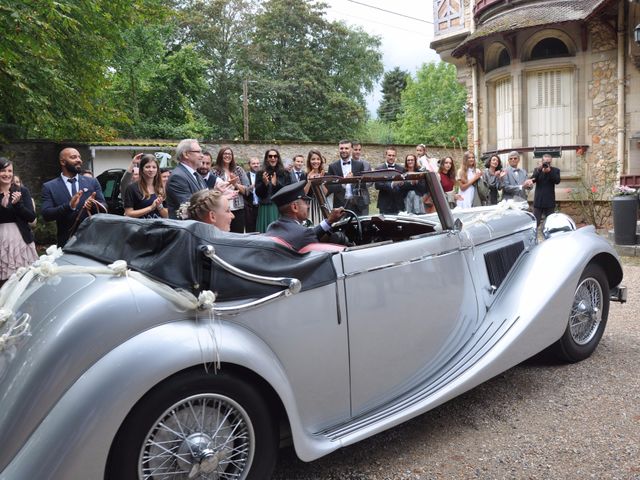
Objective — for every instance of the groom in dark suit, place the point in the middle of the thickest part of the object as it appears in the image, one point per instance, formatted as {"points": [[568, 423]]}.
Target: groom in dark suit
{"points": [[349, 195], [185, 179], [390, 199], [69, 198]]}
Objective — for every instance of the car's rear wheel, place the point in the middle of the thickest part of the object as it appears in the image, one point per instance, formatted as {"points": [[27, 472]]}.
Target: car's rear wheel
{"points": [[196, 425], [588, 317]]}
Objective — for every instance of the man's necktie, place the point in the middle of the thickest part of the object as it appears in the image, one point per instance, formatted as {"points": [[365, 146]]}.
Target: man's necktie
{"points": [[200, 181], [298, 175], [346, 163], [74, 188]]}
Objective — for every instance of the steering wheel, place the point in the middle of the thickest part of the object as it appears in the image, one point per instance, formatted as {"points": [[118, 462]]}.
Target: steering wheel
{"points": [[346, 218]]}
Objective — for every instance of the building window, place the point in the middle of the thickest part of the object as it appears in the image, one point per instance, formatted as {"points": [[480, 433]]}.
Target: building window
{"points": [[552, 113], [549, 48], [496, 56], [504, 58], [448, 15], [504, 113]]}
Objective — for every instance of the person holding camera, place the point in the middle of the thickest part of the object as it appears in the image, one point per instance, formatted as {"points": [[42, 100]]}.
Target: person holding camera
{"points": [[545, 177]]}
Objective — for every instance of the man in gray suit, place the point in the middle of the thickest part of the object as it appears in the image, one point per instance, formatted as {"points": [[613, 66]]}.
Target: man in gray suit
{"points": [[185, 180], [516, 183]]}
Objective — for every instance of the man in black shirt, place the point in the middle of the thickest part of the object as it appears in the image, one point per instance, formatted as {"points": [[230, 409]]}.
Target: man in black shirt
{"points": [[545, 177]]}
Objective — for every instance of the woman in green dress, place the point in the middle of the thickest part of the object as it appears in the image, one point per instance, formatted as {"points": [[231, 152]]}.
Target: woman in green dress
{"points": [[269, 180]]}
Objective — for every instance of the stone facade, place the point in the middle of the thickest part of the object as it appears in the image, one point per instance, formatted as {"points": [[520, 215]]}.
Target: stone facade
{"points": [[591, 61], [602, 131]]}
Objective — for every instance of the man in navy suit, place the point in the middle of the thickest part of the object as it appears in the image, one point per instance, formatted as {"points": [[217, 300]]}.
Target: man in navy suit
{"points": [[293, 206], [185, 179], [390, 199], [348, 195], [69, 198], [251, 200], [297, 170]]}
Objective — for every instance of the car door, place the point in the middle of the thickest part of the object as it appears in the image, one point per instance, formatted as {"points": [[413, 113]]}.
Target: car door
{"points": [[410, 307]]}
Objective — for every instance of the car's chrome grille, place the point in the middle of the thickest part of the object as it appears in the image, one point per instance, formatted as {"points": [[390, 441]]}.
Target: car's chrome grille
{"points": [[500, 261]]}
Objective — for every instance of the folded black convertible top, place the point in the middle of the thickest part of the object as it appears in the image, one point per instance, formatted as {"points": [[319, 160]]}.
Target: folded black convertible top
{"points": [[169, 251]]}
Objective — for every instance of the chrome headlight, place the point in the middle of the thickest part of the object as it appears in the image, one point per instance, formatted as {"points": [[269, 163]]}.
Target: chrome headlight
{"points": [[557, 222]]}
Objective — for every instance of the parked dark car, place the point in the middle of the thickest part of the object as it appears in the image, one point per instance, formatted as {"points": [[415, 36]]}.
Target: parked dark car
{"points": [[110, 183]]}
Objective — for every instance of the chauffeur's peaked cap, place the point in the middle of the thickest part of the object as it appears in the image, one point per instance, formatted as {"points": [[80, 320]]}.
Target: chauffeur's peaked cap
{"points": [[290, 193]]}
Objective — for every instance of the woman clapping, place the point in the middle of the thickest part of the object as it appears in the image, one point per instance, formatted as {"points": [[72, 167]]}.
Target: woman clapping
{"points": [[143, 199], [17, 248]]}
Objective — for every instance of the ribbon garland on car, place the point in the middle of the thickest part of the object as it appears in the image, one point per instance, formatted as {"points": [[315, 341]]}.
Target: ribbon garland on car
{"points": [[46, 267]]}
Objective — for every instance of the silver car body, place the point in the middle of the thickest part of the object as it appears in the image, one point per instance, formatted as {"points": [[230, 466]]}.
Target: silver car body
{"points": [[406, 326]]}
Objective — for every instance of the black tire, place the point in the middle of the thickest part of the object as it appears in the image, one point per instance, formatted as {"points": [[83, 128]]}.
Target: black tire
{"points": [[588, 317], [163, 434]]}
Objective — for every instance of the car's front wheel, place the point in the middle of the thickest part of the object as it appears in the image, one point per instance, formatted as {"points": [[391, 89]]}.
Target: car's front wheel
{"points": [[196, 425], [588, 317]]}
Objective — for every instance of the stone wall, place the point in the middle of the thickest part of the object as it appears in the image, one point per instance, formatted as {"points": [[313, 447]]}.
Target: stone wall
{"points": [[374, 153], [602, 91], [37, 161]]}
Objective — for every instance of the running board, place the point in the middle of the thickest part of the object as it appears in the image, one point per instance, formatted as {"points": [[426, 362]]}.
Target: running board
{"points": [[473, 350]]}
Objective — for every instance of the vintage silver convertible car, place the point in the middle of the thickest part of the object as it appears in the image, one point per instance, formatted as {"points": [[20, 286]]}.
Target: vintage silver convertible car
{"points": [[201, 353]]}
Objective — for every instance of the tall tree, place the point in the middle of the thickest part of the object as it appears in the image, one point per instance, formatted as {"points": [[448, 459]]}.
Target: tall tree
{"points": [[393, 84], [53, 58], [432, 107], [220, 31], [309, 74]]}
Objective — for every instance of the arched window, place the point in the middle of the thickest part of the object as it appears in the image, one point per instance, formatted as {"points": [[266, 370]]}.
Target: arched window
{"points": [[496, 56], [549, 48], [504, 58]]}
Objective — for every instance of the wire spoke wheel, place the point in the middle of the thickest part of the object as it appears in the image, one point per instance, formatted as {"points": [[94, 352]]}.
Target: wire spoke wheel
{"points": [[197, 425], [588, 317], [586, 311], [206, 436]]}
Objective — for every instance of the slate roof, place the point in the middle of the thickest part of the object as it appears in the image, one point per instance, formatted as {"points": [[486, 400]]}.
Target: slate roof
{"points": [[531, 15]]}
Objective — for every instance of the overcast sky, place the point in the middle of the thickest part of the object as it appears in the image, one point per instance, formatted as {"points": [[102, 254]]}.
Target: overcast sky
{"points": [[405, 42]]}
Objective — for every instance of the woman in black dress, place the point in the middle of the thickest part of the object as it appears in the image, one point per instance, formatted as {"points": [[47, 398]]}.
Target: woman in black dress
{"points": [[269, 180], [143, 199]]}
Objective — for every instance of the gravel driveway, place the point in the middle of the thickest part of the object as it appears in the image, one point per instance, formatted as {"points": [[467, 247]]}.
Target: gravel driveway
{"points": [[539, 420]]}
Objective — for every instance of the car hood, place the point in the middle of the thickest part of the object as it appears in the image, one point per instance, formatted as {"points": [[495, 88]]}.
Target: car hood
{"points": [[483, 224]]}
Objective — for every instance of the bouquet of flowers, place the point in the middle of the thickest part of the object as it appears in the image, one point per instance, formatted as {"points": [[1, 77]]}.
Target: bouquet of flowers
{"points": [[183, 211], [624, 190]]}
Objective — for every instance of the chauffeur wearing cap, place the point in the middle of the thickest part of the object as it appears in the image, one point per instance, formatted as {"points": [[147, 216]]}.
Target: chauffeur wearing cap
{"points": [[293, 206]]}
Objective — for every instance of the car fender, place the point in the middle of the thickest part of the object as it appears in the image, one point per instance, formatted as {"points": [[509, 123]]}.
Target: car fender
{"points": [[549, 272], [74, 439]]}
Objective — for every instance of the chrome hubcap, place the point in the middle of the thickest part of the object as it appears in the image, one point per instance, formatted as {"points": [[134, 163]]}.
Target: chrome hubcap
{"points": [[206, 437], [586, 311]]}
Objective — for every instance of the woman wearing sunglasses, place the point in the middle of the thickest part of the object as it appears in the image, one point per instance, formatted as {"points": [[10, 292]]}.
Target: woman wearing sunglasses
{"points": [[269, 180]]}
